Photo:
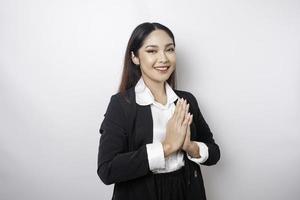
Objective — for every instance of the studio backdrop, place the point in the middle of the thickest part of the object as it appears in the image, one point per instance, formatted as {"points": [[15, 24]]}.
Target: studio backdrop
{"points": [[61, 61]]}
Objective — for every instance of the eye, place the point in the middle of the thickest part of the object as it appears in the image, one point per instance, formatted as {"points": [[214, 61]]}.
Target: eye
{"points": [[171, 49], [151, 51]]}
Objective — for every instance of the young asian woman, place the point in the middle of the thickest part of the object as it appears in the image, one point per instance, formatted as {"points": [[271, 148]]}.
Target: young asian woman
{"points": [[154, 137]]}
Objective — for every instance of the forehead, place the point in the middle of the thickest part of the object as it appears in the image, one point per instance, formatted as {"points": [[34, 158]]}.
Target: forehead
{"points": [[158, 38]]}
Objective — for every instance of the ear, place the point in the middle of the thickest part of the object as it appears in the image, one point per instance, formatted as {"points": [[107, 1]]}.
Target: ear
{"points": [[135, 59]]}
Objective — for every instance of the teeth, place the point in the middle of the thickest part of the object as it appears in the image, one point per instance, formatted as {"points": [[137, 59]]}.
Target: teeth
{"points": [[162, 68]]}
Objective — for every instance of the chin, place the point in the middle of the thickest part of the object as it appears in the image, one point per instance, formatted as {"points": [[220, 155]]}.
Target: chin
{"points": [[158, 77], [162, 79]]}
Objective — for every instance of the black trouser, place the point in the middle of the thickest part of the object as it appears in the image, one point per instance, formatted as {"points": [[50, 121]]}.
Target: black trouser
{"points": [[171, 185]]}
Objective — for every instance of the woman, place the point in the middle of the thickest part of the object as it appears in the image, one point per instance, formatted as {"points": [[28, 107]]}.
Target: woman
{"points": [[154, 137]]}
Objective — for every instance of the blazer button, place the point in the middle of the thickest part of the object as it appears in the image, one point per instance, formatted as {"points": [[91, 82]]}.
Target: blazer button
{"points": [[195, 174]]}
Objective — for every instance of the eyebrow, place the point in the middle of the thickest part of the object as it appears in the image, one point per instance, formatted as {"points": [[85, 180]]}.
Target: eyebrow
{"points": [[157, 46]]}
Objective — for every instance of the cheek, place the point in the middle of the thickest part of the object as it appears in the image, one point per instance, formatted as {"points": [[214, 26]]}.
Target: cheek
{"points": [[147, 60], [172, 58]]}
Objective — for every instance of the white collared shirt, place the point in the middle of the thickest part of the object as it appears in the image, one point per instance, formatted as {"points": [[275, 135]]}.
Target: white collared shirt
{"points": [[160, 115]]}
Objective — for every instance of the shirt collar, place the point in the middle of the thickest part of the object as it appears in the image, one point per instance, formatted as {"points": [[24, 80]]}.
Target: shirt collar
{"points": [[145, 97]]}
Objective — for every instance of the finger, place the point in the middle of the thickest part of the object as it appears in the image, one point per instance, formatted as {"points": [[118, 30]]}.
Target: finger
{"points": [[189, 136], [191, 119], [188, 133], [185, 122], [182, 112], [187, 108], [176, 108]]}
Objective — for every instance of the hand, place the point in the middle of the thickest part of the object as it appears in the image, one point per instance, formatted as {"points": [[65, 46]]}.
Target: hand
{"points": [[176, 128]]}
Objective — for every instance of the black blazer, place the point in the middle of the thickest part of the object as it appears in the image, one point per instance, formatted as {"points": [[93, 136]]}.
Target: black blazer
{"points": [[122, 156]]}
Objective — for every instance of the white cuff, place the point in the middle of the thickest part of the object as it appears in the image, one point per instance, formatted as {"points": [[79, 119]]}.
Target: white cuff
{"points": [[203, 153], [156, 156]]}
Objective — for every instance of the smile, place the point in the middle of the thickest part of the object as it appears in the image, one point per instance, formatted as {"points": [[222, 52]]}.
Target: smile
{"points": [[162, 69]]}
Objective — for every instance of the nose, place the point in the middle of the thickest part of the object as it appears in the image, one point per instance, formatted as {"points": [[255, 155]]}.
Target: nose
{"points": [[163, 58]]}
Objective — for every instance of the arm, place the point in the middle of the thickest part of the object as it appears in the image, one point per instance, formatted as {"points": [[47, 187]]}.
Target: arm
{"points": [[115, 163]]}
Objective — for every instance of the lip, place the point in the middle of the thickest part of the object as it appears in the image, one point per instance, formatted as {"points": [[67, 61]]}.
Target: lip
{"points": [[162, 66], [162, 69]]}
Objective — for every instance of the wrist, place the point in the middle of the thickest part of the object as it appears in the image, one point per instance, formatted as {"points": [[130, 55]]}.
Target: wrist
{"points": [[193, 150], [167, 149]]}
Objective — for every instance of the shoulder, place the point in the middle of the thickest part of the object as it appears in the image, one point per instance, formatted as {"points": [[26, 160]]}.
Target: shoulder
{"points": [[121, 108], [121, 103], [128, 97]]}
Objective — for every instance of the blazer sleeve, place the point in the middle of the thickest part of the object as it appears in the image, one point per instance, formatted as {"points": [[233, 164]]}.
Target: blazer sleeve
{"points": [[204, 134], [115, 163]]}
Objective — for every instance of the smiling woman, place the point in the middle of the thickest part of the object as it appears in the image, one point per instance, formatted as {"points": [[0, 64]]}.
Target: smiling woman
{"points": [[154, 137], [157, 60]]}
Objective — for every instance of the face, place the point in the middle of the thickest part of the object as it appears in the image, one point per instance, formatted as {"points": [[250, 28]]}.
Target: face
{"points": [[157, 57]]}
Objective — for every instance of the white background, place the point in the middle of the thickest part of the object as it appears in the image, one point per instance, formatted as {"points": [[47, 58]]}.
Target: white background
{"points": [[61, 60]]}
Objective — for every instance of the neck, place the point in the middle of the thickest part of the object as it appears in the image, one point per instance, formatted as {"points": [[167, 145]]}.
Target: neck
{"points": [[157, 89]]}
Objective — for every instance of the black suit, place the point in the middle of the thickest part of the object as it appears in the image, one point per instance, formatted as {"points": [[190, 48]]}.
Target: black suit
{"points": [[122, 158]]}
